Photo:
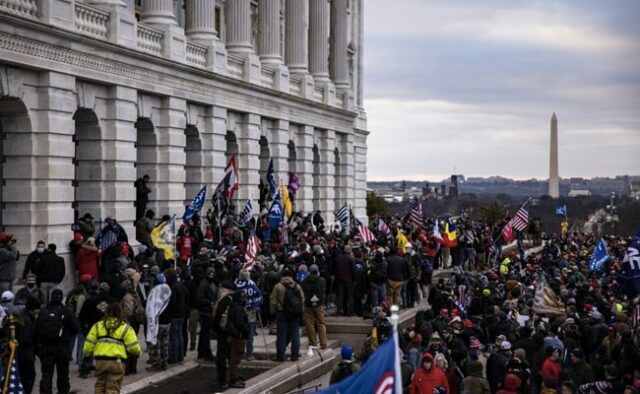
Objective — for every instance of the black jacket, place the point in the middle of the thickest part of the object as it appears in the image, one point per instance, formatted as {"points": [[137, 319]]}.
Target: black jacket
{"points": [[33, 264], [52, 268], [206, 296], [238, 326], [178, 307], [397, 268], [92, 310], [314, 284], [70, 325]]}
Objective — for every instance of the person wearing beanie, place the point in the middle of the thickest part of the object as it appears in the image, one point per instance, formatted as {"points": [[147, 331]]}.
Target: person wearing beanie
{"points": [[26, 352], [497, 366], [55, 326], [518, 366], [580, 372], [314, 289], [286, 305], [345, 367], [475, 383], [551, 366]]}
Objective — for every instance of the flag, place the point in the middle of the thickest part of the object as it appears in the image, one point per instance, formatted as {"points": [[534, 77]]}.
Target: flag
{"points": [[342, 215], [274, 217], [252, 250], [229, 183], [294, 183], [561, 210], [402, 241], [163, 237], [253, 298], [195, 205], [365, 233], [384, 229], [284, 232], [246, 213], [450, 234], [507, 232], [15, 385], [416, 211], [436, 234], [599, 258], [381, 374], [271, 179], [630, 269], [545, 301], [286, 202], [521, 220]]}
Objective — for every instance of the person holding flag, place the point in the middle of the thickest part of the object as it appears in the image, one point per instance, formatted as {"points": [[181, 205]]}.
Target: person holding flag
{"points": [[163, 237], [599, 258], [271, 179]]}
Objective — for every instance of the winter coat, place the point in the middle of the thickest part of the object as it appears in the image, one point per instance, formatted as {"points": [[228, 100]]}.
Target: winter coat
{"points": [[87, 262], [52, 268], [550, 369], [424, 381], [278, 293], [238, 326], [206, 295], [343, 268], [397, 268], [511, 384], [33, 264], [8, 257], [581, 373], [314, 285], [475, 383]]}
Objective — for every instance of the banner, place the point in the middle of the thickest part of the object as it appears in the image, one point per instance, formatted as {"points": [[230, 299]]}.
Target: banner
{"points": [[195, 205], [630, 269]]}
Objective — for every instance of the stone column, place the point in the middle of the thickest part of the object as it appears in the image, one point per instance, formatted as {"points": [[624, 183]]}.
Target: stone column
{"points": [[201, 26], [239, 26], [339, 68], [248, 159], [318, 39], [359, 184], [158, 12], [171, 140], [326, 149], [304, 145], [269, 31], [297, 43], [279, 144]]}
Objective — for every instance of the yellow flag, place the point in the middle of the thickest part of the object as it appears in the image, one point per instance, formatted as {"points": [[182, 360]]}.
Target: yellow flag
{"points": [[286, 201], [402, 241], [162, 237]]}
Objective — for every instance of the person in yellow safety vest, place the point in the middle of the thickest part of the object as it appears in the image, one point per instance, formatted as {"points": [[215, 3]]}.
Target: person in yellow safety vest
{"points": [[109, 342], [504, 266]]}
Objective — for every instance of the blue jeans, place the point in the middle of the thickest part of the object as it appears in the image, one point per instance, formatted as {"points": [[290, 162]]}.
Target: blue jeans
{"points": [[403, 294], [287, 330], [176, 342], [414, 357], [378, 294], [252, 331]]}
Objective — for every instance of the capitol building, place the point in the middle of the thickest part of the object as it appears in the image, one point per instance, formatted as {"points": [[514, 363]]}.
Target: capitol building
{"points": [[96, 93]]}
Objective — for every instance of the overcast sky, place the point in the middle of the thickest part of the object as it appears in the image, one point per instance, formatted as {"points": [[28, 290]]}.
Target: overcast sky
{"points": [[471, 86]]}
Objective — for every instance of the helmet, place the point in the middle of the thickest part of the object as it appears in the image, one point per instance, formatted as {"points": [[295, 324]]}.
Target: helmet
{"points": [[346, 352]]}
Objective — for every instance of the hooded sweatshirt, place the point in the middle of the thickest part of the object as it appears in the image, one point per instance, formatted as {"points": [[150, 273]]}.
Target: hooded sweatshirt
{"points": [[426, 380], [512, 384]]}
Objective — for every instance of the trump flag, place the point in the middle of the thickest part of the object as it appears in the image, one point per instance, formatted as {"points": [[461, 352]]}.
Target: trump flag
{"points": [[380, 374], [196, 204], [630, 269]]}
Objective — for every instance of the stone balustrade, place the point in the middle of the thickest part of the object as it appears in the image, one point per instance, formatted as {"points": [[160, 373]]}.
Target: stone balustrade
{"points": [[267, 76], [149, 39], [340, 98], [21, 8], [196, 54], [295, 84], [318, 93], [91, 21], [235, 66]]}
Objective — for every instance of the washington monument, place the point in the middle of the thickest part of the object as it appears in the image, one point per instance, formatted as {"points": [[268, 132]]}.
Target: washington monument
{"points": [[554, 181]]}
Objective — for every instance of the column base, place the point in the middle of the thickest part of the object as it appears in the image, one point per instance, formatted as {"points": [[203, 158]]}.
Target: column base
{"points": [[216, 56], [251, 72], [122, 23], [174, 45], [328, 90]]}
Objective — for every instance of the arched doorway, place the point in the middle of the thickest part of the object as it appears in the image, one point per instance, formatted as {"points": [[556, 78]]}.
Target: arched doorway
{"points": [[194, 178], [87, 164], [147, 157]]}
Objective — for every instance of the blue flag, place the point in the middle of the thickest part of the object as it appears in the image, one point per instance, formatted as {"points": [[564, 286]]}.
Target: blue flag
{"points": [[630, 272], [599, 258], [252, 294], [380, 374], [276, 212], [271, 178], [195, 205], [561, 210]]}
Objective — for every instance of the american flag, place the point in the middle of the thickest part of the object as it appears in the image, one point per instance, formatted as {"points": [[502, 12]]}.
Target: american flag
{"points": [[246, 213], [342, 215], [521, 220], [507, 232], [365, 233], [252, 250], [416, 211], [15, 385], [384, 229]]}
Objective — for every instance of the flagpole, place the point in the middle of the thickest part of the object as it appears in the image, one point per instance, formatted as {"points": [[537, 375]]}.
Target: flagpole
{"points": [[175, 242], [500, 235]]}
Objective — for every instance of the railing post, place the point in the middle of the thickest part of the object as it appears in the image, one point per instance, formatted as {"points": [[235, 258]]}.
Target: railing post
{"points": [[58, 13], [122, 25]]}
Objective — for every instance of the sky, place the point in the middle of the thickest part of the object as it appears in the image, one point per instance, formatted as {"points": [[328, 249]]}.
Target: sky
{"points": [[469, 87]]}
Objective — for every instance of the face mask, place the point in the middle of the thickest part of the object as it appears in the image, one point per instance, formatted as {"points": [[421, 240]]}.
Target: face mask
{"points": [[40, 250], [31, 285]]}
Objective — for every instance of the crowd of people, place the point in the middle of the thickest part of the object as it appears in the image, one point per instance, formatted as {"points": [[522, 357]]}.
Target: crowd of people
{"points": [[480, 333]]}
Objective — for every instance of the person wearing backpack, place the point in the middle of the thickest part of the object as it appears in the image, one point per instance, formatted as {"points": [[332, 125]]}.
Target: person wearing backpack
{"points": [[314, 294], [220, 325], [287, 300], [55, 326], [377, 273], [345, 367]]}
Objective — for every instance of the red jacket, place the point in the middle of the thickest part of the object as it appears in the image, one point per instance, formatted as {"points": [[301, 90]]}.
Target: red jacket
{"points": [[512, 384], [184, 247], [424, 381], [550, 369], [87, 262]]}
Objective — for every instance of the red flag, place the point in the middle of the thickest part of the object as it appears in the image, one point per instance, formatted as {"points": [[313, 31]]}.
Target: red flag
{"points": [[507, 232]]}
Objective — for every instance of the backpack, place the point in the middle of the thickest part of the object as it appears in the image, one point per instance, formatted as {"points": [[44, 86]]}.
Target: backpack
{"points": [[51, 325], [344, 371], [379, 272], [427, 266], [292, 306]]}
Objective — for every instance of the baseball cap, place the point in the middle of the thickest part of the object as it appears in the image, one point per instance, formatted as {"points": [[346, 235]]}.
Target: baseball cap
{"points": [[505, 345]]}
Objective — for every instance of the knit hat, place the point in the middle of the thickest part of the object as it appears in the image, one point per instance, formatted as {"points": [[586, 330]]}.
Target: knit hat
{"points": [[577, 353], [160, 279], [474, 343], [314, 268], [57, 296]]}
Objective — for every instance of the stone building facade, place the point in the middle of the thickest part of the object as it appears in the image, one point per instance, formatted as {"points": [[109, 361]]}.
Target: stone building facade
{"points": [[96, 93]]}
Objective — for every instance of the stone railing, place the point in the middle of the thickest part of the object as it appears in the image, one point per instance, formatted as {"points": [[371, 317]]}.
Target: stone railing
{"points": [[318, 93], [149, 39], [196, 54], [91, 21], [267, 76], [295, 84], [22, 8], [340, 97], [235, 66]]}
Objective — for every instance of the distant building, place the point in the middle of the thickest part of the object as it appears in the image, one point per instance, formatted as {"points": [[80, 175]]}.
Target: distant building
{"points": [[453, 188], [579, 193]]}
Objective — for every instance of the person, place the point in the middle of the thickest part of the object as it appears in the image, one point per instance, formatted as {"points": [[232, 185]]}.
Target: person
{"points": [[511, 384], [30, 290], [397, 272], [220, 318], [86, 226], [91, 311], [497, 366], [474, 382], [33, 264], [314, 288], [110, 342], [74, 301], [428, 377], [158, 324], [176, 312], [25, 353], [52, 270], [344, 277], [551, 367], [238, 332], [253, 303], [377, 276], [287, 300], [610, 384], [206, 295], [87, 259], [142, 195], [132, 312], [345, 367], [144, 226], [8, 258], [54, 327], [580, 372]]}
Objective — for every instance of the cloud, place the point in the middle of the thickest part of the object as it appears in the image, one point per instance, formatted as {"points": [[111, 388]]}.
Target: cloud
{"points": [[472, 85]]}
